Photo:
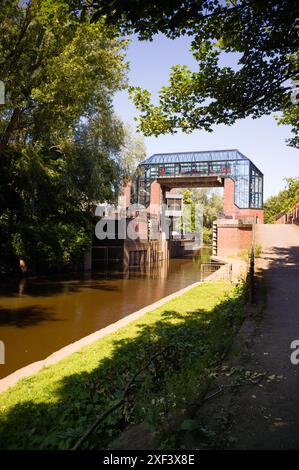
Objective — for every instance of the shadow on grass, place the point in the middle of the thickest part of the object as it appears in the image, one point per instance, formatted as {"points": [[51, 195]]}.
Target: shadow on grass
{"points": [[197, 341]]}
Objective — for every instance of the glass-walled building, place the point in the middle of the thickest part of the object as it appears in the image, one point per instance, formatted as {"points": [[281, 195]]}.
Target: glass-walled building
{"points": [[218, 163]]}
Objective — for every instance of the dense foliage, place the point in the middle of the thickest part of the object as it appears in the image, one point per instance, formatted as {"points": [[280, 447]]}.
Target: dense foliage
{"points": [[60, 142], [212, 204], [283, 202]]}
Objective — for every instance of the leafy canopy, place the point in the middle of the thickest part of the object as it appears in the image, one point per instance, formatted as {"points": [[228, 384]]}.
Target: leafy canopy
{"points": [[283, 201], [263, 34], [60, 141]]}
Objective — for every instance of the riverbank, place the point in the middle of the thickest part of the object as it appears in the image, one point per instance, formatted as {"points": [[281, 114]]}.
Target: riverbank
{"points": [[43, 315], [57, 356], [173, 350]]}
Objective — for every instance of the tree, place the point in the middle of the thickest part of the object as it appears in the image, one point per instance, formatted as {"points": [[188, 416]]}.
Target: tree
{"points": [[55, 70], [60, 142], [212, 203], [263, 34], [290, 115], [133, 151], [283, 201], [213, 208]]}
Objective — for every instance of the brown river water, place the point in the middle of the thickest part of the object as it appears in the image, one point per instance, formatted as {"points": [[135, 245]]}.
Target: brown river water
{"points": [[41, 315]]}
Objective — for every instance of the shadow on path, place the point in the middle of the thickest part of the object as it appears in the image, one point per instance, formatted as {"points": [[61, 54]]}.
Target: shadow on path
{"points": [[265, 414]]}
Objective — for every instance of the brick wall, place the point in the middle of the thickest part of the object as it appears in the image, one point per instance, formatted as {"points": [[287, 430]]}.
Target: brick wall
{"points": [[155, 201], [127, 194], [230, 208], [231, 239]]}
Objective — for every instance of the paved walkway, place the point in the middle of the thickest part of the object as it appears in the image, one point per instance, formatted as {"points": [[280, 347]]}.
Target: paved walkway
{"points": [[267, 417], [262, 412]]}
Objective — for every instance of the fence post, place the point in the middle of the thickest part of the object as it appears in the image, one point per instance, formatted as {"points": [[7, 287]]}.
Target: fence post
{"points": [[230, 276], [251, 266], [2, 352]]}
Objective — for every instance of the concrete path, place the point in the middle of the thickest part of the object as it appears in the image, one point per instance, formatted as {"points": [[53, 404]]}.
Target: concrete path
{"points": [[267, 417], [261, 411], [278, 236]]}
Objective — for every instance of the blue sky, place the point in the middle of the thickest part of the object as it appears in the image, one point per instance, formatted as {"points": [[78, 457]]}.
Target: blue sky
{"points": [[262, 140]]}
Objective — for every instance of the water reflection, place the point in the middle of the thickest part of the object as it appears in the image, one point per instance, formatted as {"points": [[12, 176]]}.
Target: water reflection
{"points": [[39, 316]]}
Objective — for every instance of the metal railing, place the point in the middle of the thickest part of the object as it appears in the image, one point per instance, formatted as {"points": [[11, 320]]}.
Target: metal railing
{"points": [[207, 269], [290, 217]]}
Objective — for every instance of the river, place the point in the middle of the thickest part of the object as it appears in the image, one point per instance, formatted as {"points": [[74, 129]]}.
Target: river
{"points": [[41, 315]]}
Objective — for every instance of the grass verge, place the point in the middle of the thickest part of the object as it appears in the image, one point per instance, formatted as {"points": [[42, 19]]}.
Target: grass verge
{"points": [[52, 409]]}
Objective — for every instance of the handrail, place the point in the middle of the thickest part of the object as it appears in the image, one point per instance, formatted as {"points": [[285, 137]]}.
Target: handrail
{"points": [[207, 269]]}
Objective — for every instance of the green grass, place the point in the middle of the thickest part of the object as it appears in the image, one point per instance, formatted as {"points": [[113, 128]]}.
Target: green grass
{"points": [[51, 409]]}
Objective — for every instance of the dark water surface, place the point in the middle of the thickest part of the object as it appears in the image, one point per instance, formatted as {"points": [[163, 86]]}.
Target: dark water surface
{"points": [[39, 316]]}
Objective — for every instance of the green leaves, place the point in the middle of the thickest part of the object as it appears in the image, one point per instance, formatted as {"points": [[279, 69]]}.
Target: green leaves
{"points": [[55, 69], [283, 202], [263, 38], [190, 425], [60, 142], [52, 409]]}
